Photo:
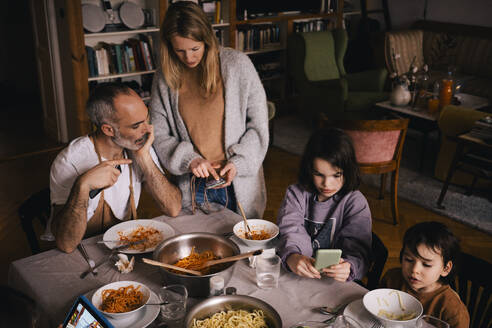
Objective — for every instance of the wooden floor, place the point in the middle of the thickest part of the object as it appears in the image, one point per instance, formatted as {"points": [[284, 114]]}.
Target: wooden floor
{"points": [[23, 176]]}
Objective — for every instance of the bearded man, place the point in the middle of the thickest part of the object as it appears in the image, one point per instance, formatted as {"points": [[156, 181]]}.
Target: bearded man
{"points": [[96, 181]]}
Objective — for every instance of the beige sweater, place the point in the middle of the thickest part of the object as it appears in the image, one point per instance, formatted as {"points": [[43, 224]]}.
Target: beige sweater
{"points": [[443, 303], [203, 117]]}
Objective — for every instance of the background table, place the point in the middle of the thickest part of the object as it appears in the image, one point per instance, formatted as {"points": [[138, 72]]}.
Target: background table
{"points": [[425, 122], [52, 278]]}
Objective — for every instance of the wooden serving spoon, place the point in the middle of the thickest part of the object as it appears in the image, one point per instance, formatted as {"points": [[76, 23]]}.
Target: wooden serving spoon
{"points": [[170, 266], [231, 258], [247, 233]]}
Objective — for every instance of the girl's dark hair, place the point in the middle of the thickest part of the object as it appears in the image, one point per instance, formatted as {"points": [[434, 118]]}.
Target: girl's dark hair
{"points": [[334, 146], [437, 237]]}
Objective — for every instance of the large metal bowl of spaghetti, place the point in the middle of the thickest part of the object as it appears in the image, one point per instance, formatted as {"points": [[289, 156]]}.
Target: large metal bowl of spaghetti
{"points": [[178, 247], [213, 305]]}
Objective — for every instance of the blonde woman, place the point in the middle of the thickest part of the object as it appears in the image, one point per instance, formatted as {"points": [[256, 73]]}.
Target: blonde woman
{"points": [[210, 114]]}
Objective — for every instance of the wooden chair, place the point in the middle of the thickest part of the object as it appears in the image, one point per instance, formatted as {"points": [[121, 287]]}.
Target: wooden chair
{"points": [[473, 284], [378, 147], [36, 207], [379, 257]]}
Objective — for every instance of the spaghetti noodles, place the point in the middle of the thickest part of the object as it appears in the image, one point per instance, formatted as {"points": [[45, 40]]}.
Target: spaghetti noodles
{"points": [[123, 299], [195, 261], [258, 235], [232, 319], [151, 235]]}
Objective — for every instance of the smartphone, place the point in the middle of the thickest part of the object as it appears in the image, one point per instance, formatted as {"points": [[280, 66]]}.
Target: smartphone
{"points": [[212, 183], [83, 314], [327, 257]]}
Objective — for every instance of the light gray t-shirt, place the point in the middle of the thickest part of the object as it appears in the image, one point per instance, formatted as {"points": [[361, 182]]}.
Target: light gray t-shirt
{"points": [[79, 157]]}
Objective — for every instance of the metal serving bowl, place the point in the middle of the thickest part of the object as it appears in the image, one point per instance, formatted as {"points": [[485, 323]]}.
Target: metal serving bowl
{"points": [[175, 248], [212, 305]]}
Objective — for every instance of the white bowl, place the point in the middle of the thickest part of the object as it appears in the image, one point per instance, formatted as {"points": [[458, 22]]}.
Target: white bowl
{"points": [[388, 300], [97, 298], [256, 225]]}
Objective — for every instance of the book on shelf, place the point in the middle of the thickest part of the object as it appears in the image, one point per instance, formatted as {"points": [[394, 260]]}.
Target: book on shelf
{"points": [[130, 56], [253, 37], [91, 61], [313, 25], [213, 10]]}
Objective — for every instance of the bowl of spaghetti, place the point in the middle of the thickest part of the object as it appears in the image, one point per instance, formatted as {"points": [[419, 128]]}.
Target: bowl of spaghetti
{"points": [[262, 231], [191, 251], [247, 312], [393, 308], [121, 299]]}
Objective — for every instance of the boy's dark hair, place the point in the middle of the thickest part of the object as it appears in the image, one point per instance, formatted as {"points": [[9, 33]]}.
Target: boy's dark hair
{"points": [[100, 105], [436, 236], [334, 146]]}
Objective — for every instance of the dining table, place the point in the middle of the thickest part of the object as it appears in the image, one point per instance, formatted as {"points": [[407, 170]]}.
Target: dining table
{"points": [[52, 278]]}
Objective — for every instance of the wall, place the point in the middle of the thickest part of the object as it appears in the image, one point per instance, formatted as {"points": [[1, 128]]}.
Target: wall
{"points": [[472, 12], [18, 73]]}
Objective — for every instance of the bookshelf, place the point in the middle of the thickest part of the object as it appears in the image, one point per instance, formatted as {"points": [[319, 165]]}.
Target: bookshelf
{"points": [[270, 59], [76, 77]]}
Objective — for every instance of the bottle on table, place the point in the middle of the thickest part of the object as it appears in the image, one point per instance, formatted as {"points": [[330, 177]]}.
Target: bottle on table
{"points": [[216, 286]]}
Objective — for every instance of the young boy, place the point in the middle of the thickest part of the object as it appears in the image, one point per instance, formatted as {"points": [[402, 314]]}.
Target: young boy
{"points": [[429, 251]]}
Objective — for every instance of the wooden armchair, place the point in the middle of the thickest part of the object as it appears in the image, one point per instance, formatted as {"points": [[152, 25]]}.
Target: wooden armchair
{"points": [[378, 147], [473, 284]]}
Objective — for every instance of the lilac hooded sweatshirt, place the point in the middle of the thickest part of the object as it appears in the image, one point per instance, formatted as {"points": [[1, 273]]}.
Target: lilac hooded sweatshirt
{"points": [[342, 222]]}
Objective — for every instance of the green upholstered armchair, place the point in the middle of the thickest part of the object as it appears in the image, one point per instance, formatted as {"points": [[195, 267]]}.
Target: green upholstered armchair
{"points": [[317, 71]]}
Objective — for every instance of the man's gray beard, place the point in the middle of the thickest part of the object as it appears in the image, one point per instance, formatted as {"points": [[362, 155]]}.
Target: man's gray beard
{"points": [[122, 142]]}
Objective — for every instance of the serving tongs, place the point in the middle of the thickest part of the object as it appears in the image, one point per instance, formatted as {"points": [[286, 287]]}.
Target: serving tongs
{"points": [[247, 229], [113, 253]]}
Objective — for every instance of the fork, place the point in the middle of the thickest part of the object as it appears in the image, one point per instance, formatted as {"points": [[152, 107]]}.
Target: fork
{"points": [[376, 324], [91, 262]]}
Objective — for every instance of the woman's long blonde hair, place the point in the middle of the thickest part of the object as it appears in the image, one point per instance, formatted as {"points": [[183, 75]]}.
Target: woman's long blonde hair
{"points": [[187, 19]]}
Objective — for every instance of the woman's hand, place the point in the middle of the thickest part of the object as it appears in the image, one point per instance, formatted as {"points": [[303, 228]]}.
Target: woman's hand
{"points": [[302, 266], [202, 168], [229, 173], [338, 271]]}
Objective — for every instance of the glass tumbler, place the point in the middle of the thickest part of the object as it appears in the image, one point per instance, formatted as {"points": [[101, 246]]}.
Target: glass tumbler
{"points": [[428, 321], [173, 313], [267, 271]]}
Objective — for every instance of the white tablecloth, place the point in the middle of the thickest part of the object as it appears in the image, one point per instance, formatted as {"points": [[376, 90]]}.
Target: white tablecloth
{"points": [[52, 278]]}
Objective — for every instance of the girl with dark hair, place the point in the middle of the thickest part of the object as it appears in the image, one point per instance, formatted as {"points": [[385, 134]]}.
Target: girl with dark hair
{"points": [[210, 114], [325, 210], [428, 259]]}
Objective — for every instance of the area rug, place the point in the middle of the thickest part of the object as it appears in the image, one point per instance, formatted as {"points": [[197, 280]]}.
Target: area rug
{"points": [[291, 134]]}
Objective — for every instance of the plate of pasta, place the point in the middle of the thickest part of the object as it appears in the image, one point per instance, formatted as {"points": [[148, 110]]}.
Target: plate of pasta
{"points": [[151, 231], [121, 299], [393, 308], [139, 318]]}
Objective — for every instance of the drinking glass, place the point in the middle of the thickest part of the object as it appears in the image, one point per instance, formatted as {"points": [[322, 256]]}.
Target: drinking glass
{"points": [[428, 321], [174, 311], [267, 271]]}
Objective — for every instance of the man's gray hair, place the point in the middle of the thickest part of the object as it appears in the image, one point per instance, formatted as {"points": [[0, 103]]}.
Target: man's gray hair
{"points": [[100, 105]]}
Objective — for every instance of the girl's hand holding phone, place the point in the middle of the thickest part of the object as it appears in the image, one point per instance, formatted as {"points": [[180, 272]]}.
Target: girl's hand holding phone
{"points": [[302, 266], [340, 271]]}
